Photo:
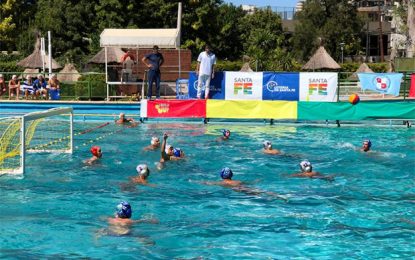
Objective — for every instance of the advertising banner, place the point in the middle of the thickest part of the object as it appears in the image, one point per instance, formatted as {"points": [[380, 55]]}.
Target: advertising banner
{"points": [[217, 86], [176, 108], [412, 88], [385, 83], [251, 109], [243, 85], [281, 86], [318, 86]]}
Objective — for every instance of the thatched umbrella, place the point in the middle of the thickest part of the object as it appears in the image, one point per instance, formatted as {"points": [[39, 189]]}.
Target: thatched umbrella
{"points": [[31, 72], [321, 60], [113, 56], [34, 60], [69, 73], [363, 68]]}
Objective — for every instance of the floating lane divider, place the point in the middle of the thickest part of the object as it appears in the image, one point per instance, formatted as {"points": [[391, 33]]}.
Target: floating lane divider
{"points": [[42, 146], [101, 137], [92, 129]]}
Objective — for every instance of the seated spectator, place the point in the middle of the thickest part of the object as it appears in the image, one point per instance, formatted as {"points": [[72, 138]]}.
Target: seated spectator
{"points": [[54, 88], [3, 86], [40, 87], [14, 87], [27, 87]]}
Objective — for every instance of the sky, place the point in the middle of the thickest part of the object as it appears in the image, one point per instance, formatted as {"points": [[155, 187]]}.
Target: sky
{"points": [[279, 3]]}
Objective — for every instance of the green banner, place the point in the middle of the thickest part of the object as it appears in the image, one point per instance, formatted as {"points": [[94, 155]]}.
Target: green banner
{"points": [[360, 111]]}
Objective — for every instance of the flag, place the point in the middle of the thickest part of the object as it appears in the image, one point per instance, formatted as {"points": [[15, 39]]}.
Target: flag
{"points": [[385, 83]]}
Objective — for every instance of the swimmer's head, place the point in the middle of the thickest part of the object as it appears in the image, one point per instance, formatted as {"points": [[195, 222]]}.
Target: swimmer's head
{"points": [[96, 151], [267, 145], [226, 173], [124, 210], [177, 152], [155, 141], [306, 166], [122, 115], [169, 150], [367, 144], [143, 170], [226, 133]]}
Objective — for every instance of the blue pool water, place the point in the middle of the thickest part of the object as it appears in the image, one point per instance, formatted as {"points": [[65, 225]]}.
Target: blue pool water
{"points": [[59, 208]]}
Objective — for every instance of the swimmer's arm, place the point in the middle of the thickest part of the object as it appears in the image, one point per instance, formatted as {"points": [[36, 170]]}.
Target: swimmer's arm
{"points": [[174, 158], [163, 146], [326, 178], [297, 175]]}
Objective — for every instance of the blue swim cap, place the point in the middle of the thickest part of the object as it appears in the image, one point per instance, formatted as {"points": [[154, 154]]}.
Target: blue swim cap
{"points": [[226, 132], [177, 152], [369, 143], [226, 173], [124, 210]]}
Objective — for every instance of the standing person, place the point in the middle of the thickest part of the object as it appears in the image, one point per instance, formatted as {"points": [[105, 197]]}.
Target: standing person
{"points": [[205, 70], [153, 61]]}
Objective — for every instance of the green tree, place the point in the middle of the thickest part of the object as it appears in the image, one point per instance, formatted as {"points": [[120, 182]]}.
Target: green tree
{"points": [[263, 40], [7, 24], [334, 21], [70, 26]]}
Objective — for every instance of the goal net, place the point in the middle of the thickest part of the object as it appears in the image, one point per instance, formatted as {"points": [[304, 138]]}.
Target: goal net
{"points": [[48, 131]]}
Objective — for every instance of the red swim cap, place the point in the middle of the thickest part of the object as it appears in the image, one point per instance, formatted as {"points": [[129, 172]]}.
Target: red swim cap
{"points": [[95, 150]]}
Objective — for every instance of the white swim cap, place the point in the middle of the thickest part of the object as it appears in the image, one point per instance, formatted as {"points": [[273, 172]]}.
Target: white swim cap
{"points": [[306, 166], [168, 148], [154, 140], [267, 144], [143, 170]]}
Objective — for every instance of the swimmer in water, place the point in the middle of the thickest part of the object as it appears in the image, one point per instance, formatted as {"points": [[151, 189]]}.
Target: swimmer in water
{"points": [[96, 155], [154, 145], [143, 173], [226, 174], [366, 145], [268, 148], [120, 224], [122, 120], [166, 150], [226, 135], [307, 172]]}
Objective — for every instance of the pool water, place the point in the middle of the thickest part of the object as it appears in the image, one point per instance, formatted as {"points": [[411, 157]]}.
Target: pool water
{"points": [[60, 208]]}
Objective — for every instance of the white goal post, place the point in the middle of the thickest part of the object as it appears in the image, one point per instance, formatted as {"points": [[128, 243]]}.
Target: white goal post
{"points": [[49, 131]]}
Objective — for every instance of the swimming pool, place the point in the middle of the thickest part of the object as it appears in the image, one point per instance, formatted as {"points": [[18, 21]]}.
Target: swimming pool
{"points": [[59, 208]]}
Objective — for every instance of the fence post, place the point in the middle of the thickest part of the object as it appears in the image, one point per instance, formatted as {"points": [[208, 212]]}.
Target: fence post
{"points": [[89, 88]]}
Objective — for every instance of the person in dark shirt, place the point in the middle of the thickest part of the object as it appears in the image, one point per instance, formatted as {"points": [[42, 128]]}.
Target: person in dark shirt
{"points": [[153, 61]]}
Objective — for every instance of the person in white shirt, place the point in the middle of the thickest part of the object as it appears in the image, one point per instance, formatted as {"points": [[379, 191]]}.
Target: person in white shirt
{"points": [[205, 70]]}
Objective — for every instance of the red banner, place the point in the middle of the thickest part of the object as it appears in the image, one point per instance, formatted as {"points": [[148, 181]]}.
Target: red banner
{"points": [[412, 88], [176, 108]]}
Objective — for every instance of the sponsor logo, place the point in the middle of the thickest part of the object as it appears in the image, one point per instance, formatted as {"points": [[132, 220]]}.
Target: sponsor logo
{"points": [[317, 86], [242, 86], [162, 108], [382, 83], [211, 87], [273, 86]]}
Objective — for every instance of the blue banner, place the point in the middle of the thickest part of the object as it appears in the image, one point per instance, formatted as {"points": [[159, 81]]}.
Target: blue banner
{"points": [[281, 86], [385, 83], [217, 86]]}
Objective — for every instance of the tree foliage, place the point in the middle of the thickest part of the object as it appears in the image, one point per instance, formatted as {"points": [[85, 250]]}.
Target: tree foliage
{"points": [[76, 26], [334, 21]]}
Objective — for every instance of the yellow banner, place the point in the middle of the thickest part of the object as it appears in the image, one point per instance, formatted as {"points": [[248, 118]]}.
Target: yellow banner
{"points": [[250, 109]]}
